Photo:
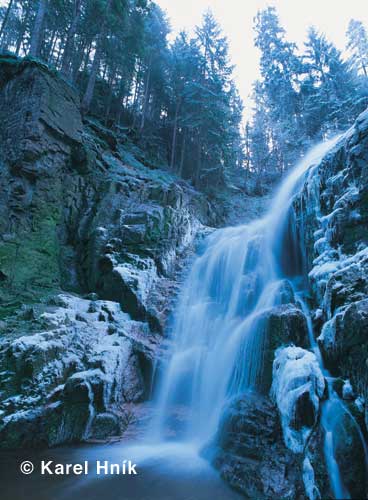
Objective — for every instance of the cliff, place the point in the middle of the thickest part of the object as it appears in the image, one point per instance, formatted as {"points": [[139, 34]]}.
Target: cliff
{"points": [[331, 214]]}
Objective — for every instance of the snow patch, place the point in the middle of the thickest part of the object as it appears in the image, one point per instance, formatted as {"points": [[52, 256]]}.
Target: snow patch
{"points": [[297, 381]]}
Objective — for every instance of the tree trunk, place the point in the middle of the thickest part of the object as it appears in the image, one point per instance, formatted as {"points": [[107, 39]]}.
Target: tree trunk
{"points": [[199, 161], [182, 154], [85, 58], [146, 94], [87, 98], [37, 29], [5, 20], [88, 95], [69, 46], [53, 42], [58, 56], [110, 95], [173, 146], [135, 97], [22, 30], [77, 60], [122, 104]]}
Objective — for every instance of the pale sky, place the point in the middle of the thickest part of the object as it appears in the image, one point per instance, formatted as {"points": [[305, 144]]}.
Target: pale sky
{"points": [[236, 18]]}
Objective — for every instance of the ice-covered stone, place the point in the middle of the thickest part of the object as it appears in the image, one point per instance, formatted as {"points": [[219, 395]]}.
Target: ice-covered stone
{"points": [[309, 481], [347, 391], [298, 386]]}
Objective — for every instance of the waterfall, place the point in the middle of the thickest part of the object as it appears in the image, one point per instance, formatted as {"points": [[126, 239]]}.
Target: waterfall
{"points": [[217, 351], [217, 338]]}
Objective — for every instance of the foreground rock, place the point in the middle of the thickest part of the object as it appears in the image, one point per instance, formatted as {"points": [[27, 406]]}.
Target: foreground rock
{"points": [[251, 454], [72, 379]]}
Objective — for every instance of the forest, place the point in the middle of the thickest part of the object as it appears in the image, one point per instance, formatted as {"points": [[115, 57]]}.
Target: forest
{"points": [[176, 97]]}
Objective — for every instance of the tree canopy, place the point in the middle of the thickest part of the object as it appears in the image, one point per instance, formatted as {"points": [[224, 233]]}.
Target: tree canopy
{"points": [[178, 99]]}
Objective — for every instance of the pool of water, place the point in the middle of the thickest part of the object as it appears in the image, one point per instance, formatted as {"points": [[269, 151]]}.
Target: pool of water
{"points": [[165, 472]]}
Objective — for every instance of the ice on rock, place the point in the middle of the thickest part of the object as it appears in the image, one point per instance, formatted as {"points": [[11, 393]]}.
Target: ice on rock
{"points": [[298, 385], [347, 390], [84, 366], [328, 333], [320, 245], [309, 481], [324, 270]]}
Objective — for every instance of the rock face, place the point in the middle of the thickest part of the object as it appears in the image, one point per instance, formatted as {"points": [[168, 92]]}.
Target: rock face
{"points": [[251, 453], [80, 214], [250, 448], [329, 222], [332, 222], [91, 233]]}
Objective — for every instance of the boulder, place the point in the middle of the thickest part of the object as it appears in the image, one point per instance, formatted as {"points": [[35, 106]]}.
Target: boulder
{"points": [[250, 453], [58, 379], [105, 425], [280, 325]]}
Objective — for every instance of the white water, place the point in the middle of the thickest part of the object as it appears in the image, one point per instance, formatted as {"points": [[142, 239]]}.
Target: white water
{"points": [[217, 350]]}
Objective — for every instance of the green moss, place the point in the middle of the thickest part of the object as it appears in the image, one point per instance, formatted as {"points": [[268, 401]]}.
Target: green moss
{"points": [[29, 262]]}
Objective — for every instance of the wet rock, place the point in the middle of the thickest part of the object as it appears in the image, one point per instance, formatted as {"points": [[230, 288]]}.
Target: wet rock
{"points": [[62, 217], [58, 379], [347, 443], [80, 212], [105, 425], [281, 325], [251, 455], [345, 345], [285, 294], [331, 214], [347, 391]]}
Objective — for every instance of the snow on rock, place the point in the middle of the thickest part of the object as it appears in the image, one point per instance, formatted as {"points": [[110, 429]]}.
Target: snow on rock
{"points": [[347, 390], [332, 218], [83, 362], [309, 480], [297, 388]]}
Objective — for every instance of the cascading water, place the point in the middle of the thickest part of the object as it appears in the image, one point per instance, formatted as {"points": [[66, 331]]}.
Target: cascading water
{"points": [[217, 351]]}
